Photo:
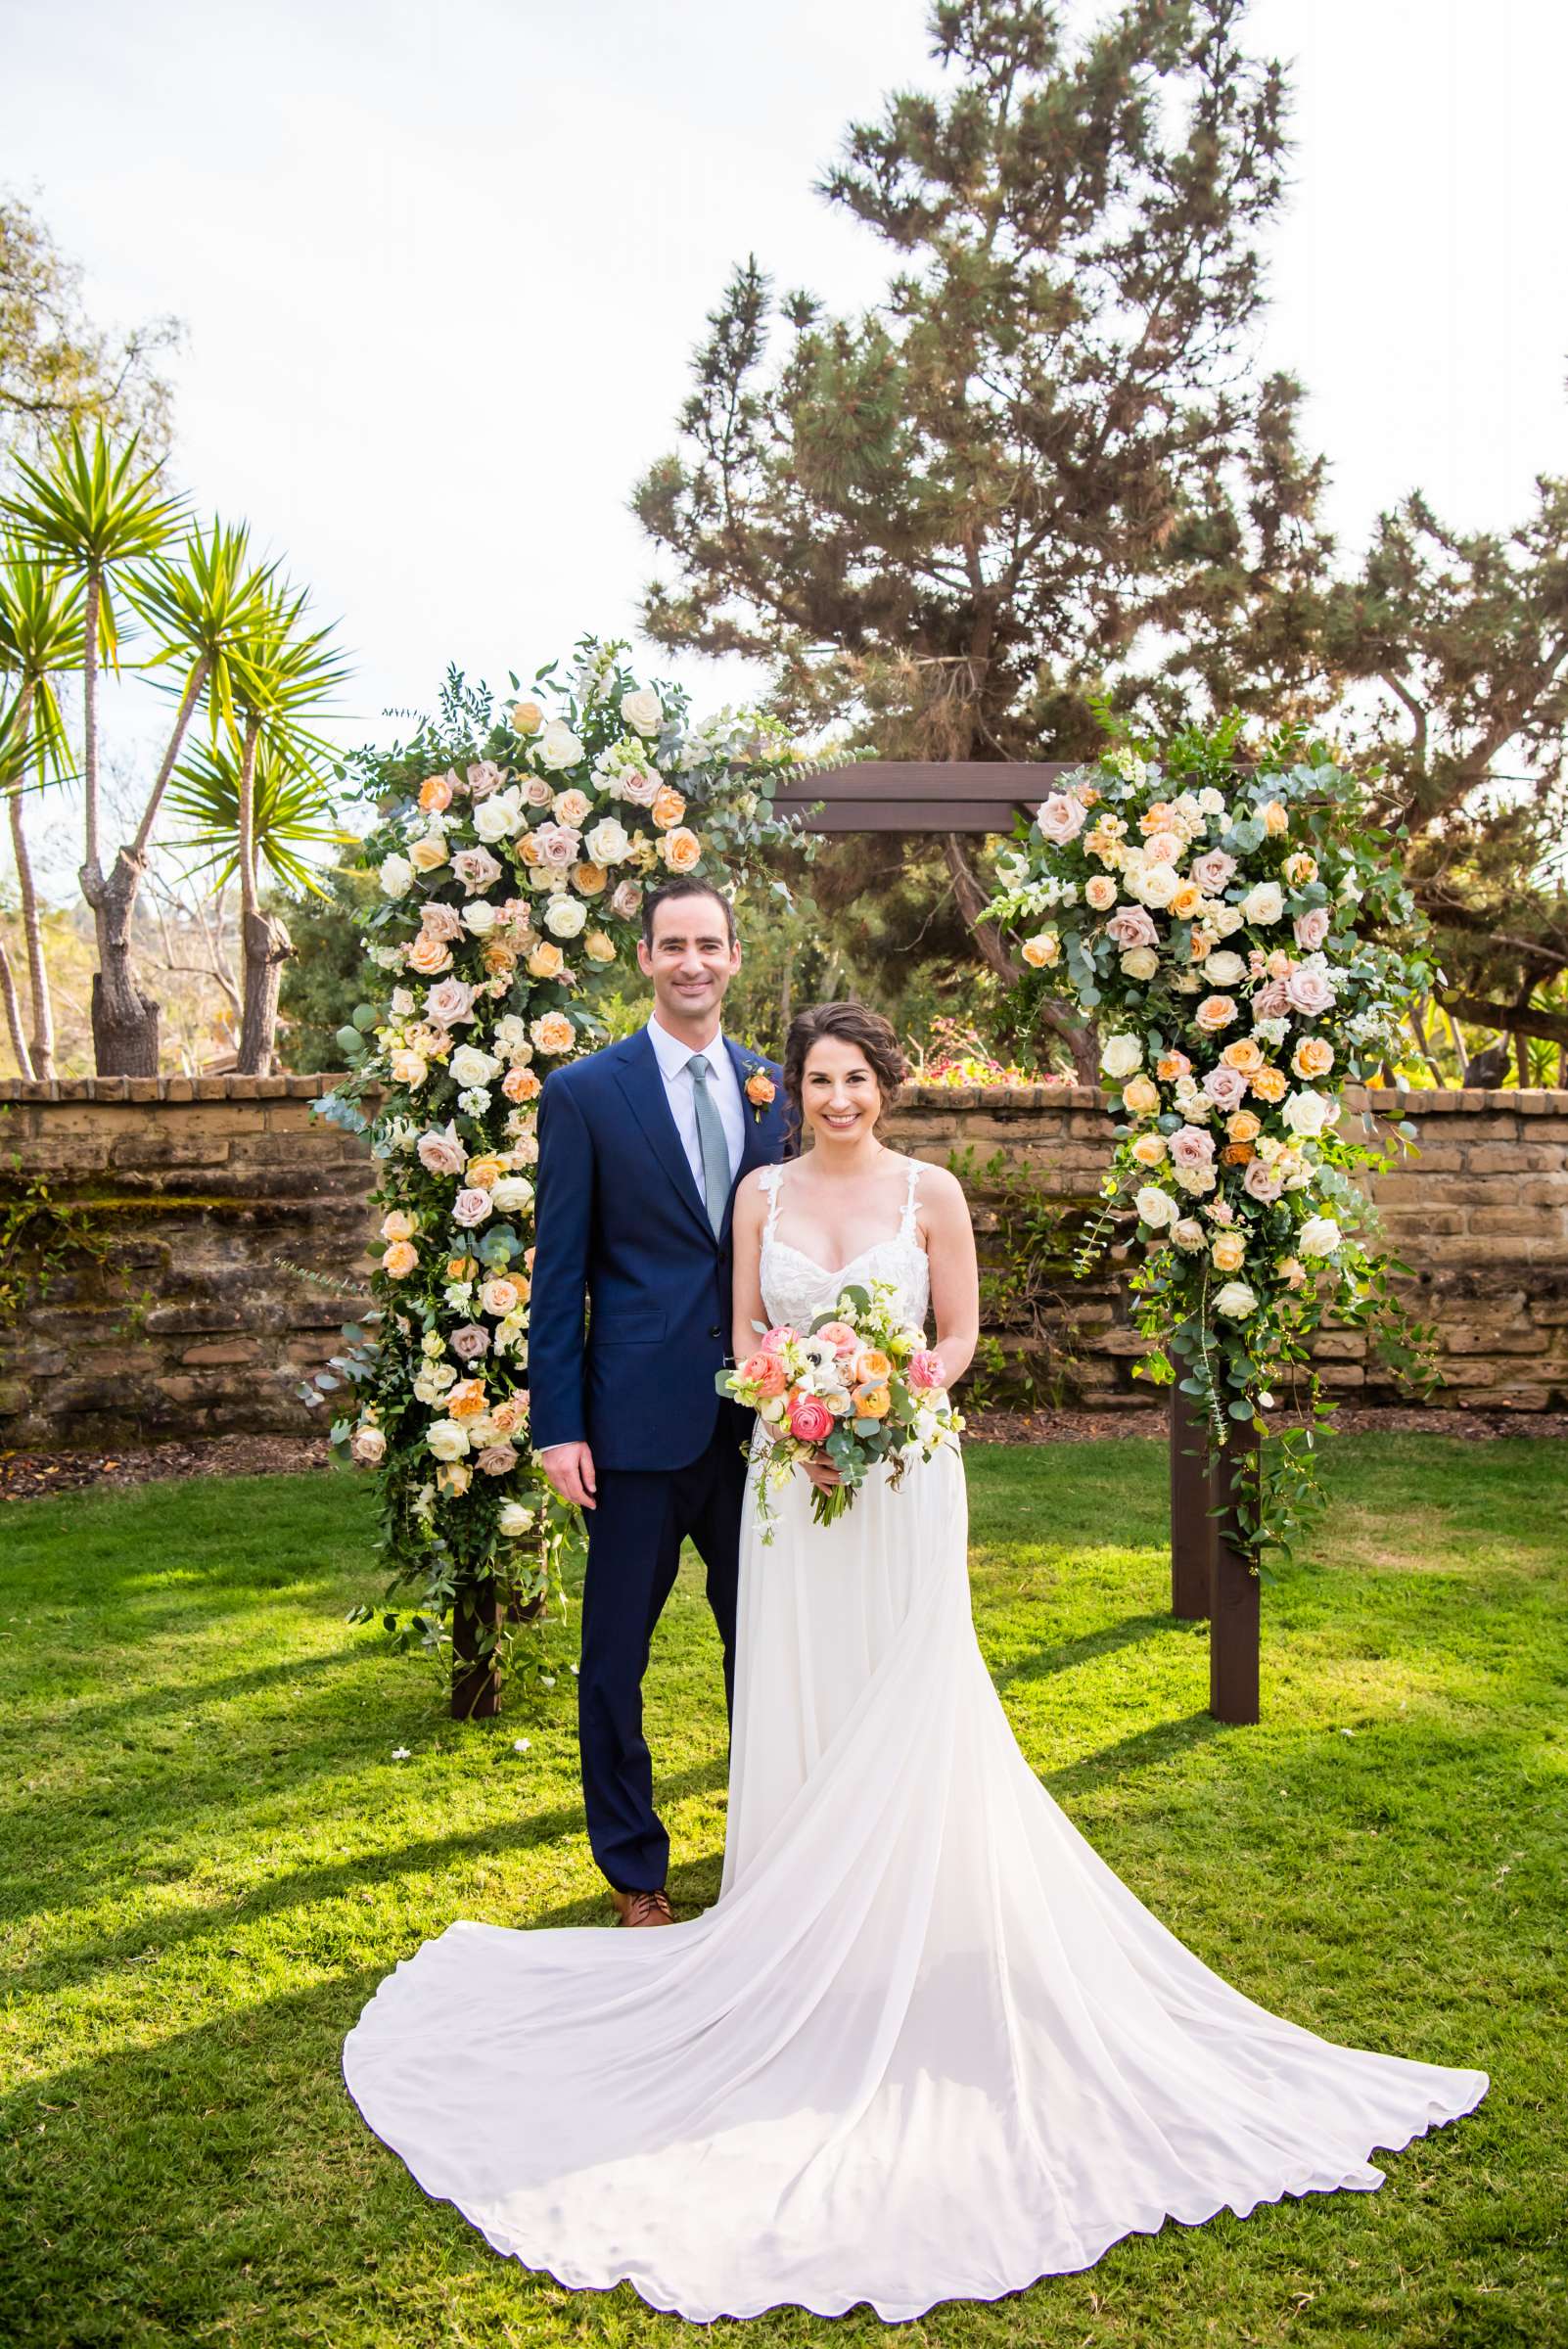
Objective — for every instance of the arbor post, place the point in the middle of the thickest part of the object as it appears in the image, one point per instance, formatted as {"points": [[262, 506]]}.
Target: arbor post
{"points": [[1193, 1526], [476, 1627], [1234, 1631]]}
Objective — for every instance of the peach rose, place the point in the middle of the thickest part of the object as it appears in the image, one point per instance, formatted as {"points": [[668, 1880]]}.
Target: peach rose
{"points": [[572, 807], [759, 1088], [483, 1173], [408, 1068], [1188, 901], [669, 806], [466, 1400], [1245, 1054], [873, 1368], [500, 1297], [519, 1084], [1314, 1056], [425, 854], [553, 1033], [1140, 1097], [680, 850], [1172, 1065], [1041, 951], [427, 955], [1276, 819], [461, 1267], [599, 946], [588, 880], [499, 959], [1100, 891], [434, 793], [1214, 1012], [546, 961], [511, 1413], [1149, 1149], [401, 1259], [1271, 1084], [525, 717], [1229, 1252], [1243, 1127], [397, 1225]]}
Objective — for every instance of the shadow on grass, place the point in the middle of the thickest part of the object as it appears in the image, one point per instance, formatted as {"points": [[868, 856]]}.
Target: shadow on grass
{"points": [[1086, 1646], [1139, 1751], [334, 1880]]}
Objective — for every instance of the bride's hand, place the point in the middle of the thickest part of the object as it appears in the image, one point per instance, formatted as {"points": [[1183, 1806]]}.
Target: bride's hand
{"points": [[822, 1473]]}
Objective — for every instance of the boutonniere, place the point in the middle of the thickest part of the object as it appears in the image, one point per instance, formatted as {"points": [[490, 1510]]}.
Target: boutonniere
{"points": [[760, 1090]]}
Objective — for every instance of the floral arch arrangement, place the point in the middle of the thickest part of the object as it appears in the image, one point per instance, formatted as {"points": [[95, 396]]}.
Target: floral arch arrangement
{"points": [[513, 848], [1218, 923]]}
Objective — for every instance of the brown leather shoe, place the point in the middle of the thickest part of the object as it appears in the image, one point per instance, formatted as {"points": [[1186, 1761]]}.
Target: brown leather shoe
{"points": [[642, 1908]]}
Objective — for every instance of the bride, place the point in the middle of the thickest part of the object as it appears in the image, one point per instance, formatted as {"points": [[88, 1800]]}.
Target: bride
{"points": [[926, 2045]]}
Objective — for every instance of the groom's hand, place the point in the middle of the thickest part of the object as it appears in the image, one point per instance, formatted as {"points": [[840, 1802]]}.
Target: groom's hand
{"points": [[570, 1469]]}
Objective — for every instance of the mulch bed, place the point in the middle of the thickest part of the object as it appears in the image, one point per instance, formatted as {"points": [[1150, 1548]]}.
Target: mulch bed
{"points": [[27, 1475]]}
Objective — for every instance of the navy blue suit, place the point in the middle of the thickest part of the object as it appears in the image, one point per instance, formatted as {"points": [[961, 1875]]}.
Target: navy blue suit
{"points": [[622, 1230]]}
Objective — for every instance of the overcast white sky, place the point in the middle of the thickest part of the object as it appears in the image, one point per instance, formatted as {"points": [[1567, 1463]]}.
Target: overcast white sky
{"points": [[442, 265]]}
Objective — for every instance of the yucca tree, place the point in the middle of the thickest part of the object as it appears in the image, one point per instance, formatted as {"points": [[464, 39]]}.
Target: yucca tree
{"points": [[92, 511], [41, 636], [283, 679]]}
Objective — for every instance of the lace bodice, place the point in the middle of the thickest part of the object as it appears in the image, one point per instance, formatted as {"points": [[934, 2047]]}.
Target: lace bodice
{"points": [[796, 1287]]}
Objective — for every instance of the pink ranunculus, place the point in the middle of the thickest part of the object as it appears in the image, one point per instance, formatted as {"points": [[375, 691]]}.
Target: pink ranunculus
{"points": [[449, 1002], [469, 1341], [1311, 928], [442, 1153], [1226, 1087], [840, 1336], [1270, 1003], [775, 1340], [1261, 1182], [1309, 993], [477, 869], [923, 1371], [1212, 870], [438, 920], [471, 1207], [1133, 925], [765, 1372], [558, 845], [1060, 818], [811, 1420], [1190, 1146], [496, 1459]]}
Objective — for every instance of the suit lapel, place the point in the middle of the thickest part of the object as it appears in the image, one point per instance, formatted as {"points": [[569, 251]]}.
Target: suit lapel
{"points": [[641, 1080], [754, 1129]]}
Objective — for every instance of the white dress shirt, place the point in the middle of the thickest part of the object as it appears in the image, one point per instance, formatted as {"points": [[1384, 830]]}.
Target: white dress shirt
{"points": [[723, 1087]]}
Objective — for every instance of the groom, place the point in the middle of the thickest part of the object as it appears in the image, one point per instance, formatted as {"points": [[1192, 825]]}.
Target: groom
{"points": [[640, 1149]]}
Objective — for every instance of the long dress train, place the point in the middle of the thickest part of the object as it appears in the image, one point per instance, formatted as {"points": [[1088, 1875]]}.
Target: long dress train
{"points": [[926, 2045]]}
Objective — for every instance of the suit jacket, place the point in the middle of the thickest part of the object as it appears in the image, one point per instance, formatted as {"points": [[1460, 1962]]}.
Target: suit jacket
{"points": [[621, 1229]]}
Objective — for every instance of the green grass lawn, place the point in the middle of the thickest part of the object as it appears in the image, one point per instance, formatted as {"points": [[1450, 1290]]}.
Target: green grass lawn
{"points": [[211, 1857]]}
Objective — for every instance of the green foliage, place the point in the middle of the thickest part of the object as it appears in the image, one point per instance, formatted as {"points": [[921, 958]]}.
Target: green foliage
{"points": [[323, 981], [56, 367]]}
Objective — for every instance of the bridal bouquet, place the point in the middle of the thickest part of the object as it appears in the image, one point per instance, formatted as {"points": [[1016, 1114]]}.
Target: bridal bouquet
{"points": [[859, 1388]]}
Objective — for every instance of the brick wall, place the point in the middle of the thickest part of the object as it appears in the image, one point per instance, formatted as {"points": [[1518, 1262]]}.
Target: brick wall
{"points": [[209, 1191]]}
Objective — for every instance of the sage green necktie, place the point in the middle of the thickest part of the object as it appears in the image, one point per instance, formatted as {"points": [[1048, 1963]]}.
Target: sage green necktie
{"points": [[712, 1143]]}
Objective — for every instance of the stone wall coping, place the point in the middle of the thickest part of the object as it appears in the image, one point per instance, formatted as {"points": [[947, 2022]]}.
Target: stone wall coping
{"points": [[1384, 1100]]}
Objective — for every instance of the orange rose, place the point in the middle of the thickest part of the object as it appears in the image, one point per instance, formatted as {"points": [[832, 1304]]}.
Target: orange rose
{"points": [[519, 1084], [499, 957], [1230, 1253], [669, 806], [1271, 1084], [588, 879], [1237, 1154], [1199, 944], [1156, 818], [553, 1033], [434, 793], [1188, 900], [759, 1088], [680, 850], [461, 1267], [871, 1403], [1245, 1054], [466, 1400], [527, 849], [1171, 1066], [427, 955], [1313, 1057], [401, 1259]]}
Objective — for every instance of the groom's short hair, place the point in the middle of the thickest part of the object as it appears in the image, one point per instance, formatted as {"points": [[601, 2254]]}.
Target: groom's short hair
{"points": [[667, 895]]}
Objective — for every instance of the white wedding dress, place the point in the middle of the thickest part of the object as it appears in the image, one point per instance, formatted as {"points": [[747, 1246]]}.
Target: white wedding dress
{"points": [[926, 2046]]}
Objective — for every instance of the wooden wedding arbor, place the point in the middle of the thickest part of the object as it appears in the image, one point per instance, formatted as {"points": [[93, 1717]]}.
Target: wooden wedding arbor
{"points": [[1213, 1574]]}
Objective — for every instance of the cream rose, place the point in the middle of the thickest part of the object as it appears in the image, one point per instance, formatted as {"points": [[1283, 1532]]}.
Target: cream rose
{"points": [[513, 1195], [1156, 1208], [1121, 1054], [447, 1440], [566, 917], [607, 842], [1100, 891], [1236, 1301], [1041, 950], [428, 851], [1307, 1114], [558, 746], [396, 876], [642, 710], [1263, 903], [1320, 1235]]}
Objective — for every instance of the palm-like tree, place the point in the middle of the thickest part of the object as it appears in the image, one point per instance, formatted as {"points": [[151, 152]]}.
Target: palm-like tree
{"points": [[91, 512], [282, 678], [41, 635]]}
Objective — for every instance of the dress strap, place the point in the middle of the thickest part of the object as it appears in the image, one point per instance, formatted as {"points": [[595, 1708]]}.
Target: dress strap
{"points": [[771, 1179], [906, 1229]]}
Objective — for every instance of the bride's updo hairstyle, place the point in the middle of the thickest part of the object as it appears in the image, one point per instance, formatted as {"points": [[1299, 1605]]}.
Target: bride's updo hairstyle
{"points": [[848, 1023]]}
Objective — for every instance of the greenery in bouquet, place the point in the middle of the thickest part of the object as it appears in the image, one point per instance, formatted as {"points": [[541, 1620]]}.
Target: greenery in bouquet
{"points": [[513, 846], [860, 1388], [1241, 936]]}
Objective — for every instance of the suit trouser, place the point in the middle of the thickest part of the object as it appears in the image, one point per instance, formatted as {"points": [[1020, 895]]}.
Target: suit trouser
{"points": [[634, 1538]]}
